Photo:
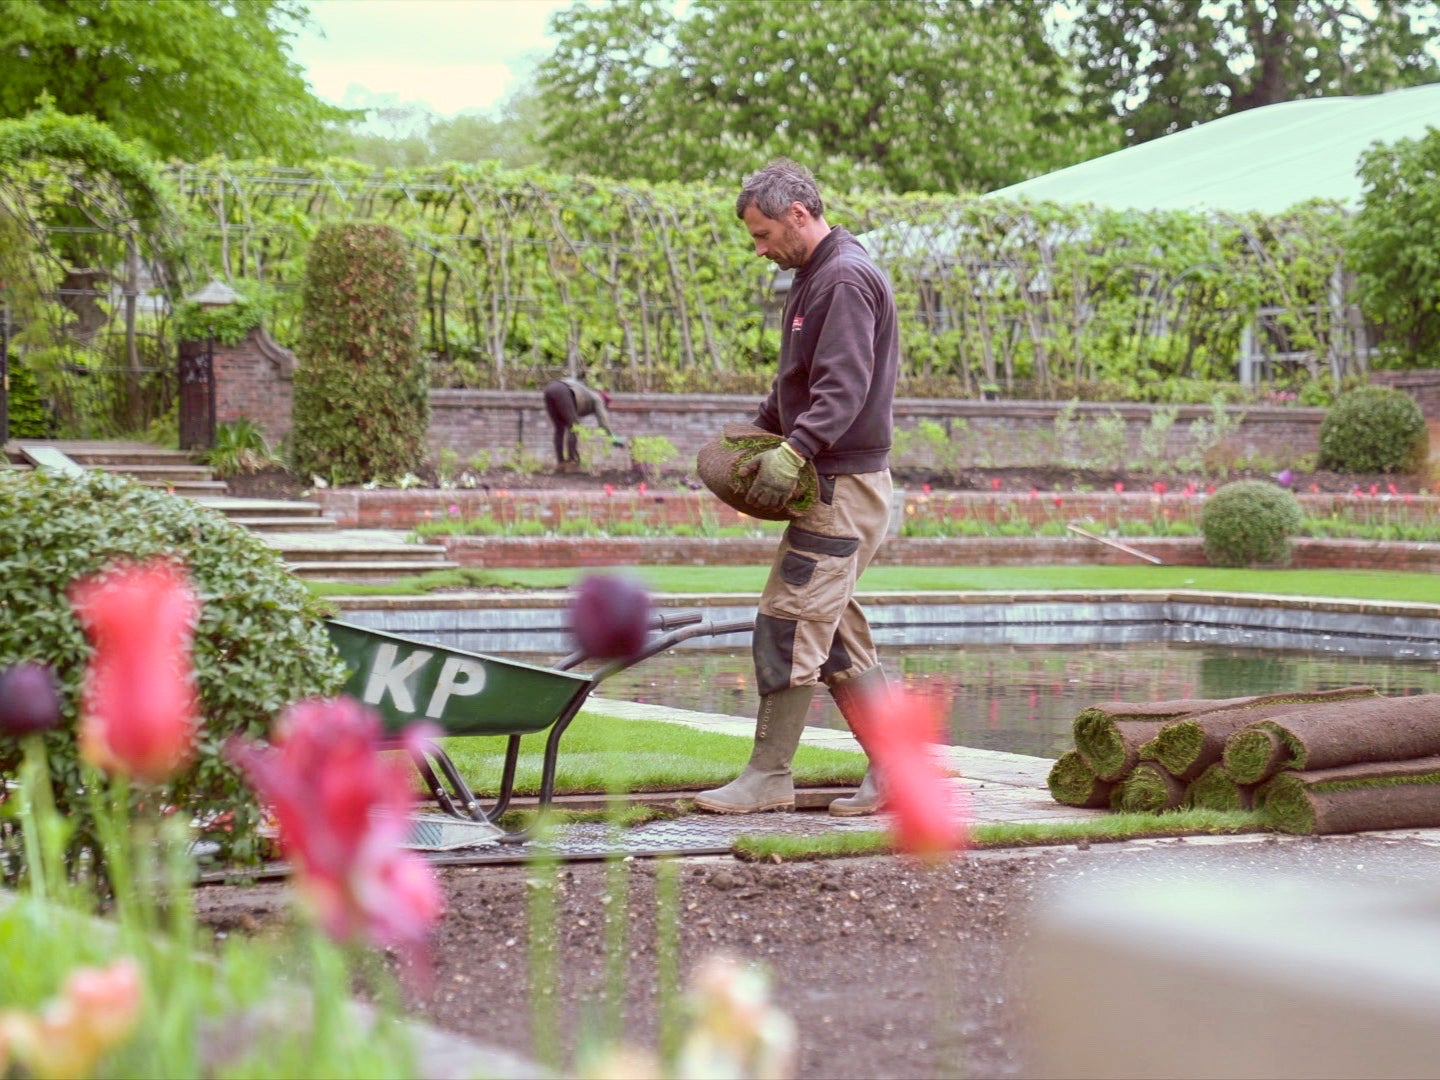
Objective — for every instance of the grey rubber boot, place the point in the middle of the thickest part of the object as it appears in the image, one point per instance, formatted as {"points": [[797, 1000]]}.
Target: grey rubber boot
{"points": [[851, 697], [766, 784]]}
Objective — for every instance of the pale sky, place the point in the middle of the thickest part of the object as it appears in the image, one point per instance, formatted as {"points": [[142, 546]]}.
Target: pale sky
{"points": [[453, 55]]}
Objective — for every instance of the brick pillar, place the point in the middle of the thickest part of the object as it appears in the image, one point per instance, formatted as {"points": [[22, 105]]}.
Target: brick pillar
{"points": [[254, 380]]}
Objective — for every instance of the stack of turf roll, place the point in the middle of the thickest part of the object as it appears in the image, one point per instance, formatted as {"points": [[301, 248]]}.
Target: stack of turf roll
{"points": [[1344, 767], [1168, 754]]}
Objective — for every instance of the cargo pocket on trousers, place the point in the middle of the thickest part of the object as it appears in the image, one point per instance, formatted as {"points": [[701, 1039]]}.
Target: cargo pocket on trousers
{"points": [[814, 587]]}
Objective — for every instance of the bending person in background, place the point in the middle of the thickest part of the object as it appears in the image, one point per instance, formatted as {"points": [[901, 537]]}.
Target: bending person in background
{"points": [[832, 400], [567, 402]]}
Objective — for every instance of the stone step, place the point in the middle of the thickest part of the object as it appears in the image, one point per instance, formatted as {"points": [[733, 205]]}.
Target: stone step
{"points": [[320, 552], [150, 473], [291, 523], [290, 509], [359, 572], [190, 489]]}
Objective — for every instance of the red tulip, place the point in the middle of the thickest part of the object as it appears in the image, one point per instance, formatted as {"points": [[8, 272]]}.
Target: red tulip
{"points": [[930, 816], [341, 807], [1119, 486], [925, 487], [29, 699], [1059, 502], [1160, 487], [1392, 489], [610, 617], [1374, 489], [995, 483], [139, 710]]}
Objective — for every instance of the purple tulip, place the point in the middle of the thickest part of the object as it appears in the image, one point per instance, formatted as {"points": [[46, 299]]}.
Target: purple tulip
{"points": [[1285, 477], [610, 617], [29, 699]]}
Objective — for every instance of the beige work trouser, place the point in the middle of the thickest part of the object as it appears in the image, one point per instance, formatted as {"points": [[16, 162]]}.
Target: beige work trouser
{"points": [[809, 628]]}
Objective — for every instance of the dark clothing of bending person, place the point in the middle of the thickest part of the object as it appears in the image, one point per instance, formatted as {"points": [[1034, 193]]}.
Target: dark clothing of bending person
{"points": [[567, 402]]}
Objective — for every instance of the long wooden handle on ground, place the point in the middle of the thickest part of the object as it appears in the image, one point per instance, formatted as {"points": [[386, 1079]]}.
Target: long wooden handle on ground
{"points": [[1115, 544]]}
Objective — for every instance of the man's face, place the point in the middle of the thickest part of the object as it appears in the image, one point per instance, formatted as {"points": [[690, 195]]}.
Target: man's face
{"points": [[779, 241]]}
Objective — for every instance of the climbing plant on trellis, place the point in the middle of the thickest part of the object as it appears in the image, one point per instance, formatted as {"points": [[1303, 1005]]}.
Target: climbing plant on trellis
{"points": [[524, 273]]}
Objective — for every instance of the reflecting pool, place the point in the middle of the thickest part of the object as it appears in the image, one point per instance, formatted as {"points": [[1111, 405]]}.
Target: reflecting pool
{"points": [[1023, 699]]}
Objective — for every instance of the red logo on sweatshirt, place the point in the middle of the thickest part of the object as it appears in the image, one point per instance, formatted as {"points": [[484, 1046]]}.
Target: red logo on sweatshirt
{"points": [[797, 324]]}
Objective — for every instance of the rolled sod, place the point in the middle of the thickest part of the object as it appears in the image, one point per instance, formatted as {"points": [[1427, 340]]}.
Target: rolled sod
{"points": [[1335, 733], [1354, 798], [1073, 783], [1188, 746], [1111, 733], [1216, 789], [1148, 787], [720, 463]]}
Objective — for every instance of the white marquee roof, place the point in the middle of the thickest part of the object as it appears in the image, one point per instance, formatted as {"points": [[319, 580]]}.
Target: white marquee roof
{"points": [[1266, 160]]}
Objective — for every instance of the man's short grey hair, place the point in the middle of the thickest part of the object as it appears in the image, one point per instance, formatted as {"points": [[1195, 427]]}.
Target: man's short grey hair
{"points": [[776, 186]]}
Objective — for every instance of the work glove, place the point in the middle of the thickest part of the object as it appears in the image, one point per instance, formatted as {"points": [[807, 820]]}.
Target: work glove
{"points": [[776, 473]]}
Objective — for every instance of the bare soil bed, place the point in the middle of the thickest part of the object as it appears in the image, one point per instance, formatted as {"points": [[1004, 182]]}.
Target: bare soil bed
{"points": [[889, 968]]}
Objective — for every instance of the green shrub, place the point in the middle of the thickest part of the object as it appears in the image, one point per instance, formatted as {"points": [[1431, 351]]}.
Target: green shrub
{"points": [[29, 417], [362, 402], [240, 447], [1374, 429], [259, 644], [1249, 522]]}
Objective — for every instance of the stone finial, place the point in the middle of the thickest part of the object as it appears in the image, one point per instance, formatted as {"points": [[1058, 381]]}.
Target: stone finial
{"points": [[215, 294]]}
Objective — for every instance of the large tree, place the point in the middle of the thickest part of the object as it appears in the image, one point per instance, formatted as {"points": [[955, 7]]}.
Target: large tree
{"points": [[191, 78], [937, 95], [1165, 65]]}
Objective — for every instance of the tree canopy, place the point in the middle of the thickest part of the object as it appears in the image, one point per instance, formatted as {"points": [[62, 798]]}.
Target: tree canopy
{"points": [[1164, 65], [192, 79], [938, 95]]}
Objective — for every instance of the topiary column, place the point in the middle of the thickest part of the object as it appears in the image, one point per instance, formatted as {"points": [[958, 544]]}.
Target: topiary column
{"points": [[362, 402]]}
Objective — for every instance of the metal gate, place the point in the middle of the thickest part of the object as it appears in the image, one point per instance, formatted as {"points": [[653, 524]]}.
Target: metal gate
{"points": [[197, 395]]}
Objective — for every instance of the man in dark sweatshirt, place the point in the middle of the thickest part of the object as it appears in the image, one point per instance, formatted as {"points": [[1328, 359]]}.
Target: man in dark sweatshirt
{"points": [[832, 401]]}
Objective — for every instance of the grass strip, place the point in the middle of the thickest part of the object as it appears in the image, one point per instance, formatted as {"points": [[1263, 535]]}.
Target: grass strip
{"points": [[1216, 789], [1339, 584], [1073, 782], [600, 754], [1110, 828], [1147, 788]]}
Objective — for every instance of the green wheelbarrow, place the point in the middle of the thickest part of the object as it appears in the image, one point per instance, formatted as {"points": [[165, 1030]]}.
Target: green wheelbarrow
{"points": [[467, 693]]}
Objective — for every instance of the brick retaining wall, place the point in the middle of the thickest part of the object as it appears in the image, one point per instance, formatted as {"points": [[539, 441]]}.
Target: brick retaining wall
{"points": [[353, 508], [910, 551], [993, 434]]}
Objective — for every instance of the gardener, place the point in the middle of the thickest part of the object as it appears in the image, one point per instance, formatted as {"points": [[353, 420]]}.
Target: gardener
{"points": [[831, 400], [566, 401]]}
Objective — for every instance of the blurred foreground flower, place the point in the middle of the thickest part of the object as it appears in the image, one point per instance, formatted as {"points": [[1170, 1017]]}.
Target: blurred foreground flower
{"points": [[139, 709], [610, 617], [341, 808], [738, 1031], [931, 816], [96, 1010], [29, 699]]}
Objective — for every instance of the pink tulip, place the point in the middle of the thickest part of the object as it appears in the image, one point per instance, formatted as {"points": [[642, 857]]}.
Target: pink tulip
{"points": [[609, 489], [1119, 486], [1160, 487], [1392, 489], [926, 488], [929, 809], [139, 709], [341, 808], [1374, 489], [995, 483], [454, 510]]}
